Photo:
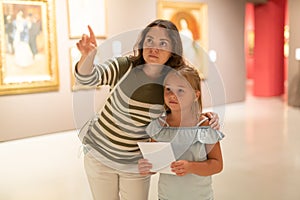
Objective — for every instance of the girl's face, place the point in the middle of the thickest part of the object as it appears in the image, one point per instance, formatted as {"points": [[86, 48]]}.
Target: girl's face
{"points": [[157, 46], [178, 93]]}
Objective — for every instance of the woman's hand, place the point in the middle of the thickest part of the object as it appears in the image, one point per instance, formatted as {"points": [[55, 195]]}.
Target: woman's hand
{"points": [[87, 43], [144, 167], [87, 46], [213, 120]]}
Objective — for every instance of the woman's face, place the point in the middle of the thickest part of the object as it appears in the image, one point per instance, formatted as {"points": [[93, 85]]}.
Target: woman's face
{"points": [[157, 46], [178, 93]]}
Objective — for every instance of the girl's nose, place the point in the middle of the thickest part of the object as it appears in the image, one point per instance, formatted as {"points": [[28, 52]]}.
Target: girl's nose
{"points": [[173, 95]]}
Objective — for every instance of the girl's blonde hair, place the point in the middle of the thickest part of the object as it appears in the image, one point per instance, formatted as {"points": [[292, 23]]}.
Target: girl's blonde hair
{"points": [[193, 77]]}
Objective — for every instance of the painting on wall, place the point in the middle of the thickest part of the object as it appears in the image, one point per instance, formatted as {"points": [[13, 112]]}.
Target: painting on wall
{"points": [[82, 13], [250, 42], [28, 47], [192, 22]]}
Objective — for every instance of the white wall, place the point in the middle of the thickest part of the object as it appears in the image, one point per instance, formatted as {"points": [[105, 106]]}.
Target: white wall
{"points": [[294, 65], [43, 113]]}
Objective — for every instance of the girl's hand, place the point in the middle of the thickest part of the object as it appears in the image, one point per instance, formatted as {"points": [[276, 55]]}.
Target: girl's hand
{"points": [[87, 44], [144, 167], [180, 167], [213, 120]]}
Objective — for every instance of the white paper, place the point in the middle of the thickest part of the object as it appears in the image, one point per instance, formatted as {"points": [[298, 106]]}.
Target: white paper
{"points": [[159, 154]]}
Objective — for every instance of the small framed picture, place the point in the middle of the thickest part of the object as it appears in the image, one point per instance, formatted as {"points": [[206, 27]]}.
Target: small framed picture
{"points": [[82, 13]]}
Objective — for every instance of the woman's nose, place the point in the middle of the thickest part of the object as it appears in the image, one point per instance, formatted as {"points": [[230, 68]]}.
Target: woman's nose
{"points": [[154, 46], [154, 49]]}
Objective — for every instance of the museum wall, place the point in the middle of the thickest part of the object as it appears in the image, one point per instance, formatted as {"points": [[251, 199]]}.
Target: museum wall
{"points": [[294, 65], [27, 115]]}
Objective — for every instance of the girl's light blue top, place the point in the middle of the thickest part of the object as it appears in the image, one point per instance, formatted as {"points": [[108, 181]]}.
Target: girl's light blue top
{"points": [[188, 143]]}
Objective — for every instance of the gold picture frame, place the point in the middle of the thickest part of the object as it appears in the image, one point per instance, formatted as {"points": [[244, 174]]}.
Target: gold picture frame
{"points": [[191, 20], [28, 49], [82, 13]]}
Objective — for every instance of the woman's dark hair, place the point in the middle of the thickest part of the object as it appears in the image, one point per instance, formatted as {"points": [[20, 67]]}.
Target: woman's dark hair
{"points": [[175, 59]]}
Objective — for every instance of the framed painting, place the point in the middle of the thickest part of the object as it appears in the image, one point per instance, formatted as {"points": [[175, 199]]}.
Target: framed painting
{"points": [[191, 20], [82, 13], [250, 40], [28, 47]]}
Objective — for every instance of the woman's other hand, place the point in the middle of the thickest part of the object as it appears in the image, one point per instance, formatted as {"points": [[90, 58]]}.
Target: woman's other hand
{"points": [[213, 120], [144, 167]]}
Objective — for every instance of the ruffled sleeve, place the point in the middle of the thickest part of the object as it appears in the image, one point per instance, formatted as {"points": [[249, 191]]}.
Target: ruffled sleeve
{"points": [[153, 128], [207, 135]]}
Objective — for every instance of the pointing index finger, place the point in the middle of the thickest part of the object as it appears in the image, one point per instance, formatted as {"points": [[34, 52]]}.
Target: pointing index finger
{"points": [[92, 35]]}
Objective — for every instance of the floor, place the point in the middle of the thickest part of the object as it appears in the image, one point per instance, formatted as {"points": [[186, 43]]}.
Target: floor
{"points": [[261, 153]]}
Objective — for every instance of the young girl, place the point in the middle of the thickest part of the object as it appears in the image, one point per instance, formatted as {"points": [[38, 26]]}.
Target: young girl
{"points": [[195, 145]]}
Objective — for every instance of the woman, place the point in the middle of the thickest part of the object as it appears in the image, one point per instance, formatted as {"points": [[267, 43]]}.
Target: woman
{"points": [[111, 144]]}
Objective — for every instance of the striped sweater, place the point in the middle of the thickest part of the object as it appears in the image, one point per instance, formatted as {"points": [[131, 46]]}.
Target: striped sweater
{"points": [[133, 105]]}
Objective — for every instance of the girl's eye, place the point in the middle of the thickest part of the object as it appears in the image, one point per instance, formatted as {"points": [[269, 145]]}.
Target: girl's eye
{"points": [[167, 89], [180, 91]]}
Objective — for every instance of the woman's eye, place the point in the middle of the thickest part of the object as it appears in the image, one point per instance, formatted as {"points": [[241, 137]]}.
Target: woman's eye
{"points": [[163, 44], [149, 41]]}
